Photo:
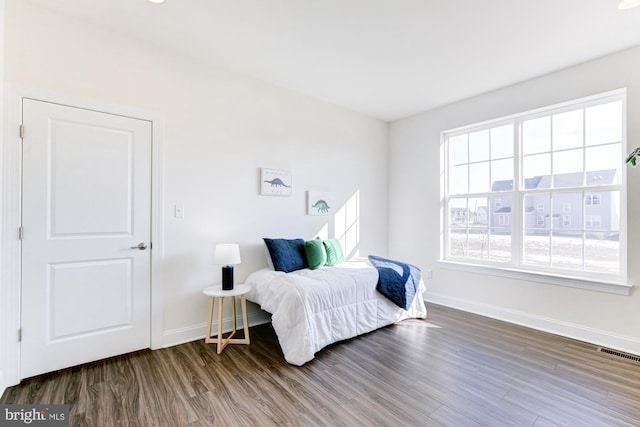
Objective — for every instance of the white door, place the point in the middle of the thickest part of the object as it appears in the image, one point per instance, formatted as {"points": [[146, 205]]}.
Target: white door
{"points": [[86, 208]]}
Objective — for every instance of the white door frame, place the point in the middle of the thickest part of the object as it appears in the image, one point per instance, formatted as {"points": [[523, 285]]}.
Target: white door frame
{"points": [[10, 261]]}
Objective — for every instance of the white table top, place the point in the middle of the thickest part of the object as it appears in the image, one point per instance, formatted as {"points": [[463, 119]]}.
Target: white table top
{"points": [[216, 291]]}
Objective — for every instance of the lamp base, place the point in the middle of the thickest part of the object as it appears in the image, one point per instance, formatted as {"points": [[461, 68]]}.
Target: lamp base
{"points": [[227, 278]]}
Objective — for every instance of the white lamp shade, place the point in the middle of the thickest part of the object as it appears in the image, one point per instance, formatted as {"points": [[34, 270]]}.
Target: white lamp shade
{"points": [[227, 254]]}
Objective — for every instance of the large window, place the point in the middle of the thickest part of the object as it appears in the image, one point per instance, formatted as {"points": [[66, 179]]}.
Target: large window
{"points": [[540, 191]]}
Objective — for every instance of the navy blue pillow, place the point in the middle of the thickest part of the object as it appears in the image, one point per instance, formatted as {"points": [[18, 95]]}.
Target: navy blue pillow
{"points": [[287, 255]]}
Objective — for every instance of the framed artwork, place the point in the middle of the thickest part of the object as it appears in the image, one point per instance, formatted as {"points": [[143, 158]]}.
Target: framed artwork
{"points": [[275, 182], [320, 203]]}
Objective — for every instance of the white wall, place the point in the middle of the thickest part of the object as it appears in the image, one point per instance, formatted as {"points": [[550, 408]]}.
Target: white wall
{"points": [[415, 217], [219, 129]]}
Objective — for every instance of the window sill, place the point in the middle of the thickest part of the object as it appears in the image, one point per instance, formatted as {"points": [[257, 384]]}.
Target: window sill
{"points": [[609, 286]]}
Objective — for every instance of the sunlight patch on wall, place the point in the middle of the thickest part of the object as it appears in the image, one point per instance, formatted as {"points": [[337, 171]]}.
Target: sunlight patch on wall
{"points": [[347, 226], [323, 233]]}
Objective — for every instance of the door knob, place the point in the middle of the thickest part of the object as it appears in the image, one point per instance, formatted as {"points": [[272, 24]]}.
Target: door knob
{"points": [[142, 246]]}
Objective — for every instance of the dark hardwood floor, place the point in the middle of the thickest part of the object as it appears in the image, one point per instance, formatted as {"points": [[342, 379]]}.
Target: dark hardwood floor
{"points": [[454, 369]]}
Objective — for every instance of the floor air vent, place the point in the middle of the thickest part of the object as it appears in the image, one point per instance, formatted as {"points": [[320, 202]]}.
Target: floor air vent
{"points": [[617, 353]]}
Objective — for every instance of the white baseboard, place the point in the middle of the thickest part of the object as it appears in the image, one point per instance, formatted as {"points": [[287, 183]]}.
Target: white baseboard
{"points": [[570, 330], [198, 332]]}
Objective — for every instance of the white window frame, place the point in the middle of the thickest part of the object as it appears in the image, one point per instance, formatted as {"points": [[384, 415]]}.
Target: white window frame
{"points": [[606, 282]]}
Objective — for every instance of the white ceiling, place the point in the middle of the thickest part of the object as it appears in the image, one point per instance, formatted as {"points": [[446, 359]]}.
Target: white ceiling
{"points": [[385, 58]]}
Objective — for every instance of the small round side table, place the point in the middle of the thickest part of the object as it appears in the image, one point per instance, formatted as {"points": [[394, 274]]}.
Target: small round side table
{"points": [[217, 292]]}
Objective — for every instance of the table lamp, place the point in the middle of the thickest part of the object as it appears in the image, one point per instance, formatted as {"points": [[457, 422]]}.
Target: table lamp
{"points": [[226, 255]]}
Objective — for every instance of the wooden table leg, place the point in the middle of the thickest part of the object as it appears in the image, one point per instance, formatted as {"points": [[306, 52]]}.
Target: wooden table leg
{"points": [[244, 340], [245, 322], [208, 339], [233, 314], [219, 341], [220, 312]]}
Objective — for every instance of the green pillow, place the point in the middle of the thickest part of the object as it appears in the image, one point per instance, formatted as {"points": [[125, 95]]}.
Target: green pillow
{"points": [[334, 252], [316, 254]]}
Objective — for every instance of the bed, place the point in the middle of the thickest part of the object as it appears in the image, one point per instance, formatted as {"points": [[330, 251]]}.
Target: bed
{"points": [[312, 308]]}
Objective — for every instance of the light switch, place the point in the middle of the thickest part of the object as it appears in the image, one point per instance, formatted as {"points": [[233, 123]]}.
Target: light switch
{"points": [[178, 211]]}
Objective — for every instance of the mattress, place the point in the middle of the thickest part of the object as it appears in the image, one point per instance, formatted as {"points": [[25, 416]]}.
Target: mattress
{"points": [[314, 308]]}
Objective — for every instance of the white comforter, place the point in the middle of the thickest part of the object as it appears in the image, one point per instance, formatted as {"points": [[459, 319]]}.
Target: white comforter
{"points": [[314, 308]]}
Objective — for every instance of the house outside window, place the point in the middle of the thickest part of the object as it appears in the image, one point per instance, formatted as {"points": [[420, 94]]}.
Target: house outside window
{"points": [[503, 220], [593, 221], [536, 173], [592, 199]]}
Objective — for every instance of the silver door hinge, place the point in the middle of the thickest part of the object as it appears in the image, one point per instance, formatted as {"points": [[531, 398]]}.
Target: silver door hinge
{"points": [[20, 335], [20, 233], [21, 131]]}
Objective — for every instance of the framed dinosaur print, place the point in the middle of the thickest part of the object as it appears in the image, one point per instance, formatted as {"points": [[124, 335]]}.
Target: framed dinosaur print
{"points": [[320, 203], [275, 182]]}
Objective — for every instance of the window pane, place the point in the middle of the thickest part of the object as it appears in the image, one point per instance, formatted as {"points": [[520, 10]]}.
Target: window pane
{"points": [[604, 123], [502, 142], [566, 250], [567, 168], [536, 171], [603, 164], [479, 146], [567, 130], [459, 180], [478, 243], [500, 213], [458, 150], [458, 243], [602, 252], [567, 207], [537, 208], [478, 211], [593, 222], [458, 212], [536, 135], [479, 177], [613, 199], [500, 245], [536, 248], [602, 211], [502, 175]]}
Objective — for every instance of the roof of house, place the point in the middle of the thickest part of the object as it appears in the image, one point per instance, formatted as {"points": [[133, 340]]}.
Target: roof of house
{"points": [[574, 179], [507, 184]]}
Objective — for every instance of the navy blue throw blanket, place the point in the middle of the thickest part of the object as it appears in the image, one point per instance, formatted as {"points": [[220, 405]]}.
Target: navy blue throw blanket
{"points": [[397, 281]]}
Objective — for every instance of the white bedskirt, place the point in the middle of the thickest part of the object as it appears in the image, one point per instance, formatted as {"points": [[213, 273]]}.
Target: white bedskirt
{"points": [[314, 308]]}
